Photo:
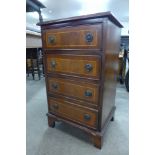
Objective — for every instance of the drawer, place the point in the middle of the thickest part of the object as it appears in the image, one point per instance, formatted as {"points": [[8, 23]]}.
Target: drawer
{"points": [[78, 90], [78, 65], [76, 113], [79, 37]]}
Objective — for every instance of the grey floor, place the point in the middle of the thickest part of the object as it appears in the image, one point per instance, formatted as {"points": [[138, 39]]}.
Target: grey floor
{"points": [[65, 139]]}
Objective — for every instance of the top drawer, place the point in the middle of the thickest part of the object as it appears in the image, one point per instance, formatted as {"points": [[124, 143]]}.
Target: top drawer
{"points": [[79, 37]]}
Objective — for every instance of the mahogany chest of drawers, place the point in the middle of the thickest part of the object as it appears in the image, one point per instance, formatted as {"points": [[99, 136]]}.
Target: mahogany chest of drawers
{"points": [[80, 60]]}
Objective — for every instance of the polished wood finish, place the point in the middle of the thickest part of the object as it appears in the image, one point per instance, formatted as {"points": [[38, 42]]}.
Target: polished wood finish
{"points": [[84, 91], [80, 57], [97, 140], [76, 113], [80, 65], [83, 18], [110, 70], [74, 37]]}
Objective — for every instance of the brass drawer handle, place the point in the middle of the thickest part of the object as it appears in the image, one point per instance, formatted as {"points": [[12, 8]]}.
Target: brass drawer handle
{"points": [[51, 39], [88, 67], [55, 106], [53, 63], [55, 86], [89, 37], [88, 93], [87, 117]]}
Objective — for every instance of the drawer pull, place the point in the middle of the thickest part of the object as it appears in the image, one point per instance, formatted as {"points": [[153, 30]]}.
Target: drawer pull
{"points": [[55, 106], [88, 93], [88, 67], [51, 39], [87, 117], [53, 63], [89, 37], [55, 86]]}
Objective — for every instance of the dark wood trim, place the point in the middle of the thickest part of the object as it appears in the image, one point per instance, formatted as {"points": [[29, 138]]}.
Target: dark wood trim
{"points": [[73, 24], [74, 77], [104, 35], [74, 51], [84, 17]]}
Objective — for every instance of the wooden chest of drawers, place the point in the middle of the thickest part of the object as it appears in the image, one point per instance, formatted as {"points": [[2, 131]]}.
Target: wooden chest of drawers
{"points": [[80, 60]]}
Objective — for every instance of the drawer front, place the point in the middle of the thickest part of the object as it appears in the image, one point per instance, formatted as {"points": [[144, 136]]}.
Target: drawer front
{"points": [[84, 36], [79, 90], [87, 66], [74, 112]]}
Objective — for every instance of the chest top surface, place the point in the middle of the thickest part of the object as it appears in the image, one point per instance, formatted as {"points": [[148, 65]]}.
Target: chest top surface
{"points": [[108, 15]]}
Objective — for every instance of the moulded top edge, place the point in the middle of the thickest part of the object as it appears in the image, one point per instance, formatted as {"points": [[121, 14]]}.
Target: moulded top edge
{"points": [[90, 16]]}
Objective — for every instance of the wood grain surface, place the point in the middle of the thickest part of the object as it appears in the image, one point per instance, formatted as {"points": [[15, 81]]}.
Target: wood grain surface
{"points": [[81, 65], [84, 91], [74, 112], [73, 37]]}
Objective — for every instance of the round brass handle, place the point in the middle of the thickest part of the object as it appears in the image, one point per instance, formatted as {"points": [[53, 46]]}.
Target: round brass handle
{"points": [[88, 67], [51, 39], [89, 37], [54, 85], [53, 63], [87, 117], [88, 93]]}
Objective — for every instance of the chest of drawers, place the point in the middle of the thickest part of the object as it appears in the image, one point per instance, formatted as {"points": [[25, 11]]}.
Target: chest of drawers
{"points": [[80, 60]]}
